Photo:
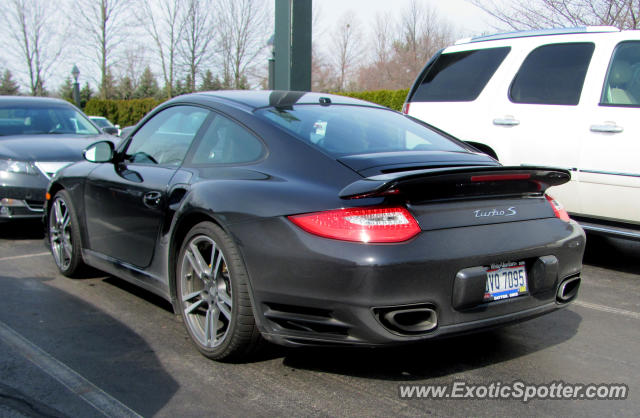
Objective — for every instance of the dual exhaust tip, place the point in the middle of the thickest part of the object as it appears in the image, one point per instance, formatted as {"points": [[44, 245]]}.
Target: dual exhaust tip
{"points": [[421, 319], [408, 320], [568, 289]]}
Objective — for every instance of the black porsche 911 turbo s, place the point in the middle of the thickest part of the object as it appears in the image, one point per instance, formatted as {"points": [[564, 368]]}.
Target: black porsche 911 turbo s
{"points": [[314, 219], [38, 136]]}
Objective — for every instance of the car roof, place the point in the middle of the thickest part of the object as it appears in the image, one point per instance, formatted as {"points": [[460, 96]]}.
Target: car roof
{"points": [[530, 39], [539, 32], [255, 99], [30, 100]]}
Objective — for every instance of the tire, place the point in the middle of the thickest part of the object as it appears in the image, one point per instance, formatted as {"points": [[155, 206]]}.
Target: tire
{"points": [[213, 295], [64, 235]]}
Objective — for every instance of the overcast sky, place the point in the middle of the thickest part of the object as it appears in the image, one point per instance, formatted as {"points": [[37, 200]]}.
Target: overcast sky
{"points": [[466, 19]]}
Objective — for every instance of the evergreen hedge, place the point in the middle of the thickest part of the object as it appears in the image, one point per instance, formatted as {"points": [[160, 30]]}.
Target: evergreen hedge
{"points": [[121, 112], [129, 112], [393, 99]]}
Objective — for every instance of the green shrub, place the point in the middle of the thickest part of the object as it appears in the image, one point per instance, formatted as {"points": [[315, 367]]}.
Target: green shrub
{"points": [[129, 112], [121, 112], [393, 99]]}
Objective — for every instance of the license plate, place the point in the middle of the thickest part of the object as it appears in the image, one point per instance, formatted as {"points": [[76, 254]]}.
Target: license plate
{"points": [[506, 280]]}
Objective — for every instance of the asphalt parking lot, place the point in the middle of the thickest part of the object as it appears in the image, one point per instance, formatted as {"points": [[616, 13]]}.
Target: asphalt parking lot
{"points": [[99, 346]]}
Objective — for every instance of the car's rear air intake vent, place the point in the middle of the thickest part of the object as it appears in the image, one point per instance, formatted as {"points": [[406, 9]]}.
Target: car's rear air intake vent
{"points": [[302, 318]]}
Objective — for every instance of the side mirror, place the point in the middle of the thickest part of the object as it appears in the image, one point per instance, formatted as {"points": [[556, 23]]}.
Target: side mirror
{"points": [[99, 152], [111, 130]]}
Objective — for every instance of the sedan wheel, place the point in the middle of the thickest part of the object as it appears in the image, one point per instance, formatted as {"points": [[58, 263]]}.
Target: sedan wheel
{"points": [[64, 238], [212, 292]]}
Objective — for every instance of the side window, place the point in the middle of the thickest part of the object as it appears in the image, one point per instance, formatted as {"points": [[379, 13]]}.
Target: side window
{"points": [[552, 74], [165, 138], [226, 142], [459, 76], [622, 85]]}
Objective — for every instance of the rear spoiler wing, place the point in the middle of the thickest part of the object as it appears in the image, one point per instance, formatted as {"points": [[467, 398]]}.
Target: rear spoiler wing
{"points": [[459, 182]]}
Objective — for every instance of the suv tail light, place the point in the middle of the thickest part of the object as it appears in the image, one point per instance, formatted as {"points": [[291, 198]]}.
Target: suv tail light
{"points": [[373, 224], [558, 209], [405, 108]]}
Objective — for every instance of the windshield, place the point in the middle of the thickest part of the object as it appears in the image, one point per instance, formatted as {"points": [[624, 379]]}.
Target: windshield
{"points": [[347, 130], [37, 119]]}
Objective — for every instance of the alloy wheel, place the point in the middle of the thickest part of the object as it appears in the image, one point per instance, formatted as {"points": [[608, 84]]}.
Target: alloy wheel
{"points": [[206, 291], [60, 234]]}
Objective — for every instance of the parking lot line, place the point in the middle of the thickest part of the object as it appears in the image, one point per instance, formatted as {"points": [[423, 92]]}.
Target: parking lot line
{"points": [[15, 257], [76, 383], [603, 308]]}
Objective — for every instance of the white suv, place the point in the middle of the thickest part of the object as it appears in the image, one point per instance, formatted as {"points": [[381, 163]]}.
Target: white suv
{"points": [[564, 97]]}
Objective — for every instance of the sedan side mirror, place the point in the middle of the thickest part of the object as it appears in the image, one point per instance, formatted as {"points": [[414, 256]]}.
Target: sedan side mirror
{"points": [[111, 130], [99, 152]]}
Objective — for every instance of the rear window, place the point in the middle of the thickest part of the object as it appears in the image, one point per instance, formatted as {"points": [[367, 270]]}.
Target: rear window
{"points": [[348, 130], [552, 74], [459, 76]]}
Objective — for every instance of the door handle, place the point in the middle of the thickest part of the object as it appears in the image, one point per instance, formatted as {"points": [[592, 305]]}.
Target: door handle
{"points": [[152, 199], [607, 127], [506, 121]]}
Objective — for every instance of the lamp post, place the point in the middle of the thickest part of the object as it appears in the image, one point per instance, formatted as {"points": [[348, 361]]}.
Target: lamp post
{"points": [[292, 45], [76, 87]]}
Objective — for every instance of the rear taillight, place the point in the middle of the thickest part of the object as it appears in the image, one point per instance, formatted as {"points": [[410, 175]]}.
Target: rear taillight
{"points": [[558, 209], [388, 224], [405, 108]]}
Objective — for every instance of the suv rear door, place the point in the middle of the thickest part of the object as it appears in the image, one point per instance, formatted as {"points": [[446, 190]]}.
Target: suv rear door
{"points": [[537, 112], [609, 177], [453, 91]]}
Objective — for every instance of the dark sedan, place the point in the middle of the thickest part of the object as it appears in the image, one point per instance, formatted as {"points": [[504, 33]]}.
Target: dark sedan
{"points": [[313, 219], [38, 136]]}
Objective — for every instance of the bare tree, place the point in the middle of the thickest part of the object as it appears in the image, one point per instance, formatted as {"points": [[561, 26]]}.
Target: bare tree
{"points": [[347, 43], [104, 23], [382, 38], [164, 20], [243, 31], [132, 64], [30, 31], [197, 38], [423, 33], [535, 14], [322, 77], [322, 74], [402, 47]]}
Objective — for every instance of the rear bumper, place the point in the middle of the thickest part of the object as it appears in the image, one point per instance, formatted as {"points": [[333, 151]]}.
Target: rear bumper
{"points": [[311, 290], [296, 339]]}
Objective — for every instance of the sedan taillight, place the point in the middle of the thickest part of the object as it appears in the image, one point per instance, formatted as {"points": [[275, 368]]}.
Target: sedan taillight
{"points": [[558, 209], [373, 224]]}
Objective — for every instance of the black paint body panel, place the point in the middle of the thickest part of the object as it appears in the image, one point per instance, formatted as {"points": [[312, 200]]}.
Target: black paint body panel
{"points": [[303, 277]]}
